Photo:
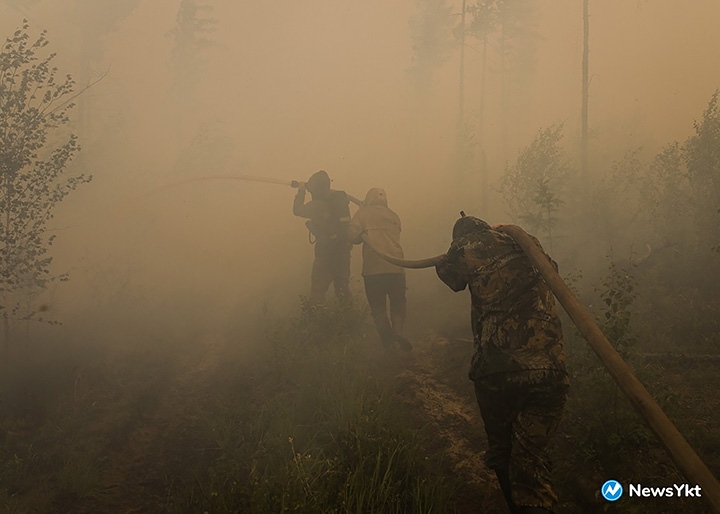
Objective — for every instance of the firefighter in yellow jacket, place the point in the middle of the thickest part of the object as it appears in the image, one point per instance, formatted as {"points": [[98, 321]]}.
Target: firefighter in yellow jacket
{"points": [[383, 281]]}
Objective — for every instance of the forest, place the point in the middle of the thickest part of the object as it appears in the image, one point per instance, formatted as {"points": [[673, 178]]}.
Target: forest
{"points": [[160, 351]]}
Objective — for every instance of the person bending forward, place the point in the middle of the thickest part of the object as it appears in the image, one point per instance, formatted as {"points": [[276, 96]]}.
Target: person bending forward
{"points": [[518, 366]]}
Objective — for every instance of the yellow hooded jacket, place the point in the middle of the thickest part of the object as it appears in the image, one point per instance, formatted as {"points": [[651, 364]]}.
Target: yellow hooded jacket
{"points": [[383, 228]]}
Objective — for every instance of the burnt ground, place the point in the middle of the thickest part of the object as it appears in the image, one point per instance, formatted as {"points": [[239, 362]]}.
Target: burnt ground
{"points": [[152, 428], [431, 385], [132, 436], [146, 452]]}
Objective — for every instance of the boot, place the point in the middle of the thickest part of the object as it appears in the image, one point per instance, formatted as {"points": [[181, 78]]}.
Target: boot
{"points": [[503, 476], [403, 343]]}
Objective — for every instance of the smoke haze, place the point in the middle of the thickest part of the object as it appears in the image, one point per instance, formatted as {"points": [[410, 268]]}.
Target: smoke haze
{"points": [[282, 89]]}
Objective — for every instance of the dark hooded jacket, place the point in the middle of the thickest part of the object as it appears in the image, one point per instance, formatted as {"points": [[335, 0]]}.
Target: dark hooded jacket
{"points": [[328, 211]]}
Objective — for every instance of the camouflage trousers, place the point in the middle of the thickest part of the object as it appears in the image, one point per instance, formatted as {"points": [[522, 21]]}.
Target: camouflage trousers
{"points": [[521, 412]]}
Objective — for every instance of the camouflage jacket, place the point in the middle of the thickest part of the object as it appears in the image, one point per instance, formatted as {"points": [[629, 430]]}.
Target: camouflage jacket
{"points": [[514, 321]]}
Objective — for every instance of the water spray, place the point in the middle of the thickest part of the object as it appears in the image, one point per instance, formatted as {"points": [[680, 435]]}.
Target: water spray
{"points": [[248, 178]]}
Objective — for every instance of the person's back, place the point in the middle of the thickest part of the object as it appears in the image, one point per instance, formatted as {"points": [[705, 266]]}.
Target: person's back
{"points": [[329, 215], [383, 227], [383, 281], [518, 365], [513, 310], [328, 211]]}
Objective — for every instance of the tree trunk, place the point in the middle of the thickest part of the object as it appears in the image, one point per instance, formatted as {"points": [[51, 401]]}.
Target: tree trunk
{"points": [[5, 232], [503, 96], [585, 87], [461, 92], [6, 339], [484, 197], [461, 137]]}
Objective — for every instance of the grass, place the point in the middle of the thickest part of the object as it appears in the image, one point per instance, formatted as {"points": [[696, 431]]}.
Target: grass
{"points": [[304, 420], [330, 440], [603, 437]]}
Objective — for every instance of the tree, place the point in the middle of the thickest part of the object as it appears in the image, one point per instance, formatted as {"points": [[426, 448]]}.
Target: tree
{"points": [[94, 20], [532, 187], [667, 196], [483, 22], [702, 157], [191, 34], [516, 47], [194, 24], [585, 91], [432, 41], [19, 5], [34, 103]]}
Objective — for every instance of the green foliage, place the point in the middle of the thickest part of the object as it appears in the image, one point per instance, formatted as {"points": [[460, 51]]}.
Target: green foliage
{"points": [[484, 18], [603, 421], [533, 187], [617, 294], [511, 22], [35, 105], [331, 440], [680, 187], [99, 19], [702, 156], [614, 203], [703, 150], [603, 434], [430, 31], [191, 36], [668, 196], [572, 279], [517, 37], [601, 428]]}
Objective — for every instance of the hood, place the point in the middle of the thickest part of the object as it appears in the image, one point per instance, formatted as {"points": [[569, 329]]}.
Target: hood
{"points": [[468, 225], [319, 183], [376, 196]]}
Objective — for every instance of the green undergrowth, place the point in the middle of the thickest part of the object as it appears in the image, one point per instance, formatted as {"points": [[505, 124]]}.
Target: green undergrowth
{"points": [[603, 437], [300, 420], [57, 434], [312, 427]]}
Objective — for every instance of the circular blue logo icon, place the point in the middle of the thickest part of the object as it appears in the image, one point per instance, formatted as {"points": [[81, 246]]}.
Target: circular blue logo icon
{"points": [[611, 490]]}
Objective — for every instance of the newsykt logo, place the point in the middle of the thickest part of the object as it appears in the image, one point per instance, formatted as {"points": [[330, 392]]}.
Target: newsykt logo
{"points": [[611, 490]]}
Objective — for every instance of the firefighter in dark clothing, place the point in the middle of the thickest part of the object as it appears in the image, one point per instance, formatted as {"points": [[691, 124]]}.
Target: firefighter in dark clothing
{"points": [[518, 366], [329, 216]]}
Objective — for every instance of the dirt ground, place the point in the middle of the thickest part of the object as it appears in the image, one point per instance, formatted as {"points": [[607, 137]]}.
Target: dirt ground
{"points": [[143, 453], [143, 421], [435, 384]]}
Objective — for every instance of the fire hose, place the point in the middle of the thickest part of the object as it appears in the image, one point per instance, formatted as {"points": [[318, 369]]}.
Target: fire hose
{"points": [[665, 431], [249, 178]]}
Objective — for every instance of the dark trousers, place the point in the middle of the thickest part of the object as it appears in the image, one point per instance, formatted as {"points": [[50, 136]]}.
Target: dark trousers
{"points": [[380, 288], [331, 266]]}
